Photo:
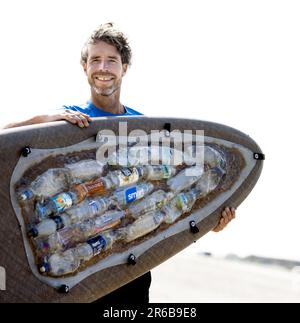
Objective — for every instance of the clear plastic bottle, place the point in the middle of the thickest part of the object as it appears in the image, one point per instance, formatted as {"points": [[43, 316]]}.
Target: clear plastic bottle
{"points": [[184, 201], [158, 172], [181, 203], [145, 155], [56, 180], [63, 201], [84, 170], [87, 209], [79, 232], [130, 194], [67, 262], [150, 203], [186, 178], [125, 176], [211, 156], [47, 226], [210, 180], [49, 183], [141, 226], [172, 213]]}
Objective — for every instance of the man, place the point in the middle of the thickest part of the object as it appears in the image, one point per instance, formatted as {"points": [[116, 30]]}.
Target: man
{"points": [[105, 58]]}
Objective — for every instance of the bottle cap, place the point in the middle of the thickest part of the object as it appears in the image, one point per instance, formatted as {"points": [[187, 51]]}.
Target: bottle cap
{"points": [[33, 232], [25, 195], [44, 267]]}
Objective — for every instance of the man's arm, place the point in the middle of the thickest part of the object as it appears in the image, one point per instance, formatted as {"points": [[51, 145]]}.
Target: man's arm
{"points": [[77, 118]]}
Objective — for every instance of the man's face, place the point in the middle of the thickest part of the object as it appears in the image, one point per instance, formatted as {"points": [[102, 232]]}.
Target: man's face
{"points": [[104, 69]]}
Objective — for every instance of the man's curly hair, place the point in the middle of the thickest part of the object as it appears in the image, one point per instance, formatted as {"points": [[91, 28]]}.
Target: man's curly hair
{"points": [[112, 36]]}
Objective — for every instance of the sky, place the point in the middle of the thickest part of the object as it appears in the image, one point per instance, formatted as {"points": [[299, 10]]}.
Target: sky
{"points": [[232, 62]]}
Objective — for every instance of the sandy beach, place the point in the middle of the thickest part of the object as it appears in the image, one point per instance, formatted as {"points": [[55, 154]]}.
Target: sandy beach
{"points": [[196, 278]]}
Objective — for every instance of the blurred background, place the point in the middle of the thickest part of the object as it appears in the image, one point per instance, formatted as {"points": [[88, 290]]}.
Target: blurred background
{"points": [[231, 62]]}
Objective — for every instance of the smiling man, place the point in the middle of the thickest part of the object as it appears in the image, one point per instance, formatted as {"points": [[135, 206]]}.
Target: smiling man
{"points": [[105, 58]]}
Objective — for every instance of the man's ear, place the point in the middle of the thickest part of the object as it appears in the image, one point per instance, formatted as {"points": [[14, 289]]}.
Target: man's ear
{"points": [[84, 65], [125, 67]]}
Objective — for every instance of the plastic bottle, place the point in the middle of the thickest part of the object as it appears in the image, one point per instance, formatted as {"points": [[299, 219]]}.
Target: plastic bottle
{"points": [[63, 201], [184, 179], [84, 170], [211, 156], [56, 180], [145, 155], [158, 172], [125, 176], [47, 226], [67, 262], [79, 232], [182, 203], [141, 226], [130, 194], [210, 180], [49, 183], [87, 209], [150, 203]]}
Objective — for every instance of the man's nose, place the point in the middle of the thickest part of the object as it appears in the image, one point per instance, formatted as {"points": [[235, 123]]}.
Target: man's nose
{"points": [[103, 65]]}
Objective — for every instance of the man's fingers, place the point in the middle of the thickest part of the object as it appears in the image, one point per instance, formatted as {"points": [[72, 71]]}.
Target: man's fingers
{"points": [[225, 216], [76, 118], [233, 212], [87, 117]]}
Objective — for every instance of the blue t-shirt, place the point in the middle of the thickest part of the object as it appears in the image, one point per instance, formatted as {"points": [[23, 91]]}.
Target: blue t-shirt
{"points": [[92, 111]]}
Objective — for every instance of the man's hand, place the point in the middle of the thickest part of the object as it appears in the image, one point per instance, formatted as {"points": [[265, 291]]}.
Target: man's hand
{"points": [[226, 216], [77, 118]]}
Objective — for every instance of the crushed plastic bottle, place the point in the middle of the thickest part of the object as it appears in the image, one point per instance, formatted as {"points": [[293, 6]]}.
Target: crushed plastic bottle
{"points": [[186, 178], [79, 232], [150, 203], [62, 263], [56, 180], [141, 226], [125, 176], [87, 209], [84, 170], [210, 180], [159, 172], [61, 202], [47, 226], [146, 155], [211, 156], [130, 194], [49, 183], [184, 201], [180, 204]]}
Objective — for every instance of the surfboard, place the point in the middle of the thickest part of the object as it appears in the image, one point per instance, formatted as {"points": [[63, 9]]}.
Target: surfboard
{"points": [[165, 191]]}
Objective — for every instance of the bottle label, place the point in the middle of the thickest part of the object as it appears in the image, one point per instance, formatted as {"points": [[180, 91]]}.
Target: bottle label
{"points": [[128, 176], [182, 202], [62, 201], [133, 194], [94, 207], [166, 170], [97, 244]]}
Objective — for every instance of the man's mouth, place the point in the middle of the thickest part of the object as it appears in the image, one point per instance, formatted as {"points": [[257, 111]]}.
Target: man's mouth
{"points": [[104, 78]]}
